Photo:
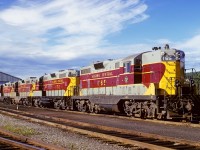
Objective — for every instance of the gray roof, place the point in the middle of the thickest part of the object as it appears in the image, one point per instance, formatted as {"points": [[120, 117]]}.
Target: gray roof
{"points": [[133, 56], [4, 77]]}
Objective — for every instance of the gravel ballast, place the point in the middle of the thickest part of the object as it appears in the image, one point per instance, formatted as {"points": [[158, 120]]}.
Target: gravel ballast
{"points": [[68, 140]]}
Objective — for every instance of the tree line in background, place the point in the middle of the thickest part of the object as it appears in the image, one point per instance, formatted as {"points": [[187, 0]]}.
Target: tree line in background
{"points": [[195, 76]]}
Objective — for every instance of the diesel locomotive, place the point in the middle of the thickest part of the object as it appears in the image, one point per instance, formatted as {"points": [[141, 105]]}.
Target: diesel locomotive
{"points": [[151, 84]]}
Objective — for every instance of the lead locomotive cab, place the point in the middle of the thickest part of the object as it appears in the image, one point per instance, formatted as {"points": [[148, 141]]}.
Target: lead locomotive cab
{"points": [[176, 94], [174, 62]]}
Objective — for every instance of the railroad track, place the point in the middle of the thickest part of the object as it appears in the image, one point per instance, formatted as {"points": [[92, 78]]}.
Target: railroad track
{"points": [[10, 143], [165, 122], [127, 138]]}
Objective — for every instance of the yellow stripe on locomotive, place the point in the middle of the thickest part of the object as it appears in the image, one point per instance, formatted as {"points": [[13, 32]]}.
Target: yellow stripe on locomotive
{"points": [[73, 87], [174, 71]]}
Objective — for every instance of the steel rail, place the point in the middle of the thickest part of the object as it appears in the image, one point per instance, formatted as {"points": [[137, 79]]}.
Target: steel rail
{"points": [[18, 144], [165, 122]]}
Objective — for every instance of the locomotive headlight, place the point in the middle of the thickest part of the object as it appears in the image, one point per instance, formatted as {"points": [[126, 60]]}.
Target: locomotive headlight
{"points": [[178, 55]]}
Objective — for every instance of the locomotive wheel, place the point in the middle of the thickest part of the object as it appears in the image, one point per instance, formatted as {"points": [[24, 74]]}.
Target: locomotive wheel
{"points": [[141, 114], [62, 106], [96, 109], [128, 108], [40, 104], [133, 112], [84, 108], [56, 105], [77, 105], [24, 102], [129, 114], [12, 101], [35, 103], [7, 101]]}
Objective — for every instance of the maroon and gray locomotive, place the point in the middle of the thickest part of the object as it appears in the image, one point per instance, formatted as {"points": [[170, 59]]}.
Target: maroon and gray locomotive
{"points": [[151, 84]]}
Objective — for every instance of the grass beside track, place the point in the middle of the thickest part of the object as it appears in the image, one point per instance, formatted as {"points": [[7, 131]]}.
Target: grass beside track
{"points": [[25, 131]]}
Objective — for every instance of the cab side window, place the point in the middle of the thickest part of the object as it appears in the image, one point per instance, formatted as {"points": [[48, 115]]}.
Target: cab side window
{"points": [[127, 67]]}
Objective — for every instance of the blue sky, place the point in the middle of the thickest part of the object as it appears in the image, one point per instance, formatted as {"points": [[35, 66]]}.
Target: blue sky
{"points": [[43, 36]]}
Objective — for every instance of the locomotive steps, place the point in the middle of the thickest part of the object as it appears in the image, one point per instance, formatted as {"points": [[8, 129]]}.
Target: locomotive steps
{"points": [[110, 134]]}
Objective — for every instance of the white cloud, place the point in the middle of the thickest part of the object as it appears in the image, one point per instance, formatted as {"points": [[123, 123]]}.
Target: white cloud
{"points": [[20, 16], [191, 48], [83, 22], [46, 36], [192, 43], [53, 30]]}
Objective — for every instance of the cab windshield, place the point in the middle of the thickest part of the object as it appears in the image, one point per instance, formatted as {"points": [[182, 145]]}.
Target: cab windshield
{"points": [[177, 56], [167, 57]]}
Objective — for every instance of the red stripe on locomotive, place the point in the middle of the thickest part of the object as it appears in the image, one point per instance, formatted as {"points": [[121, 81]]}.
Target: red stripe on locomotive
{"points": [[151, 73], [58, 84], [25, 88], [7, 89]]}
